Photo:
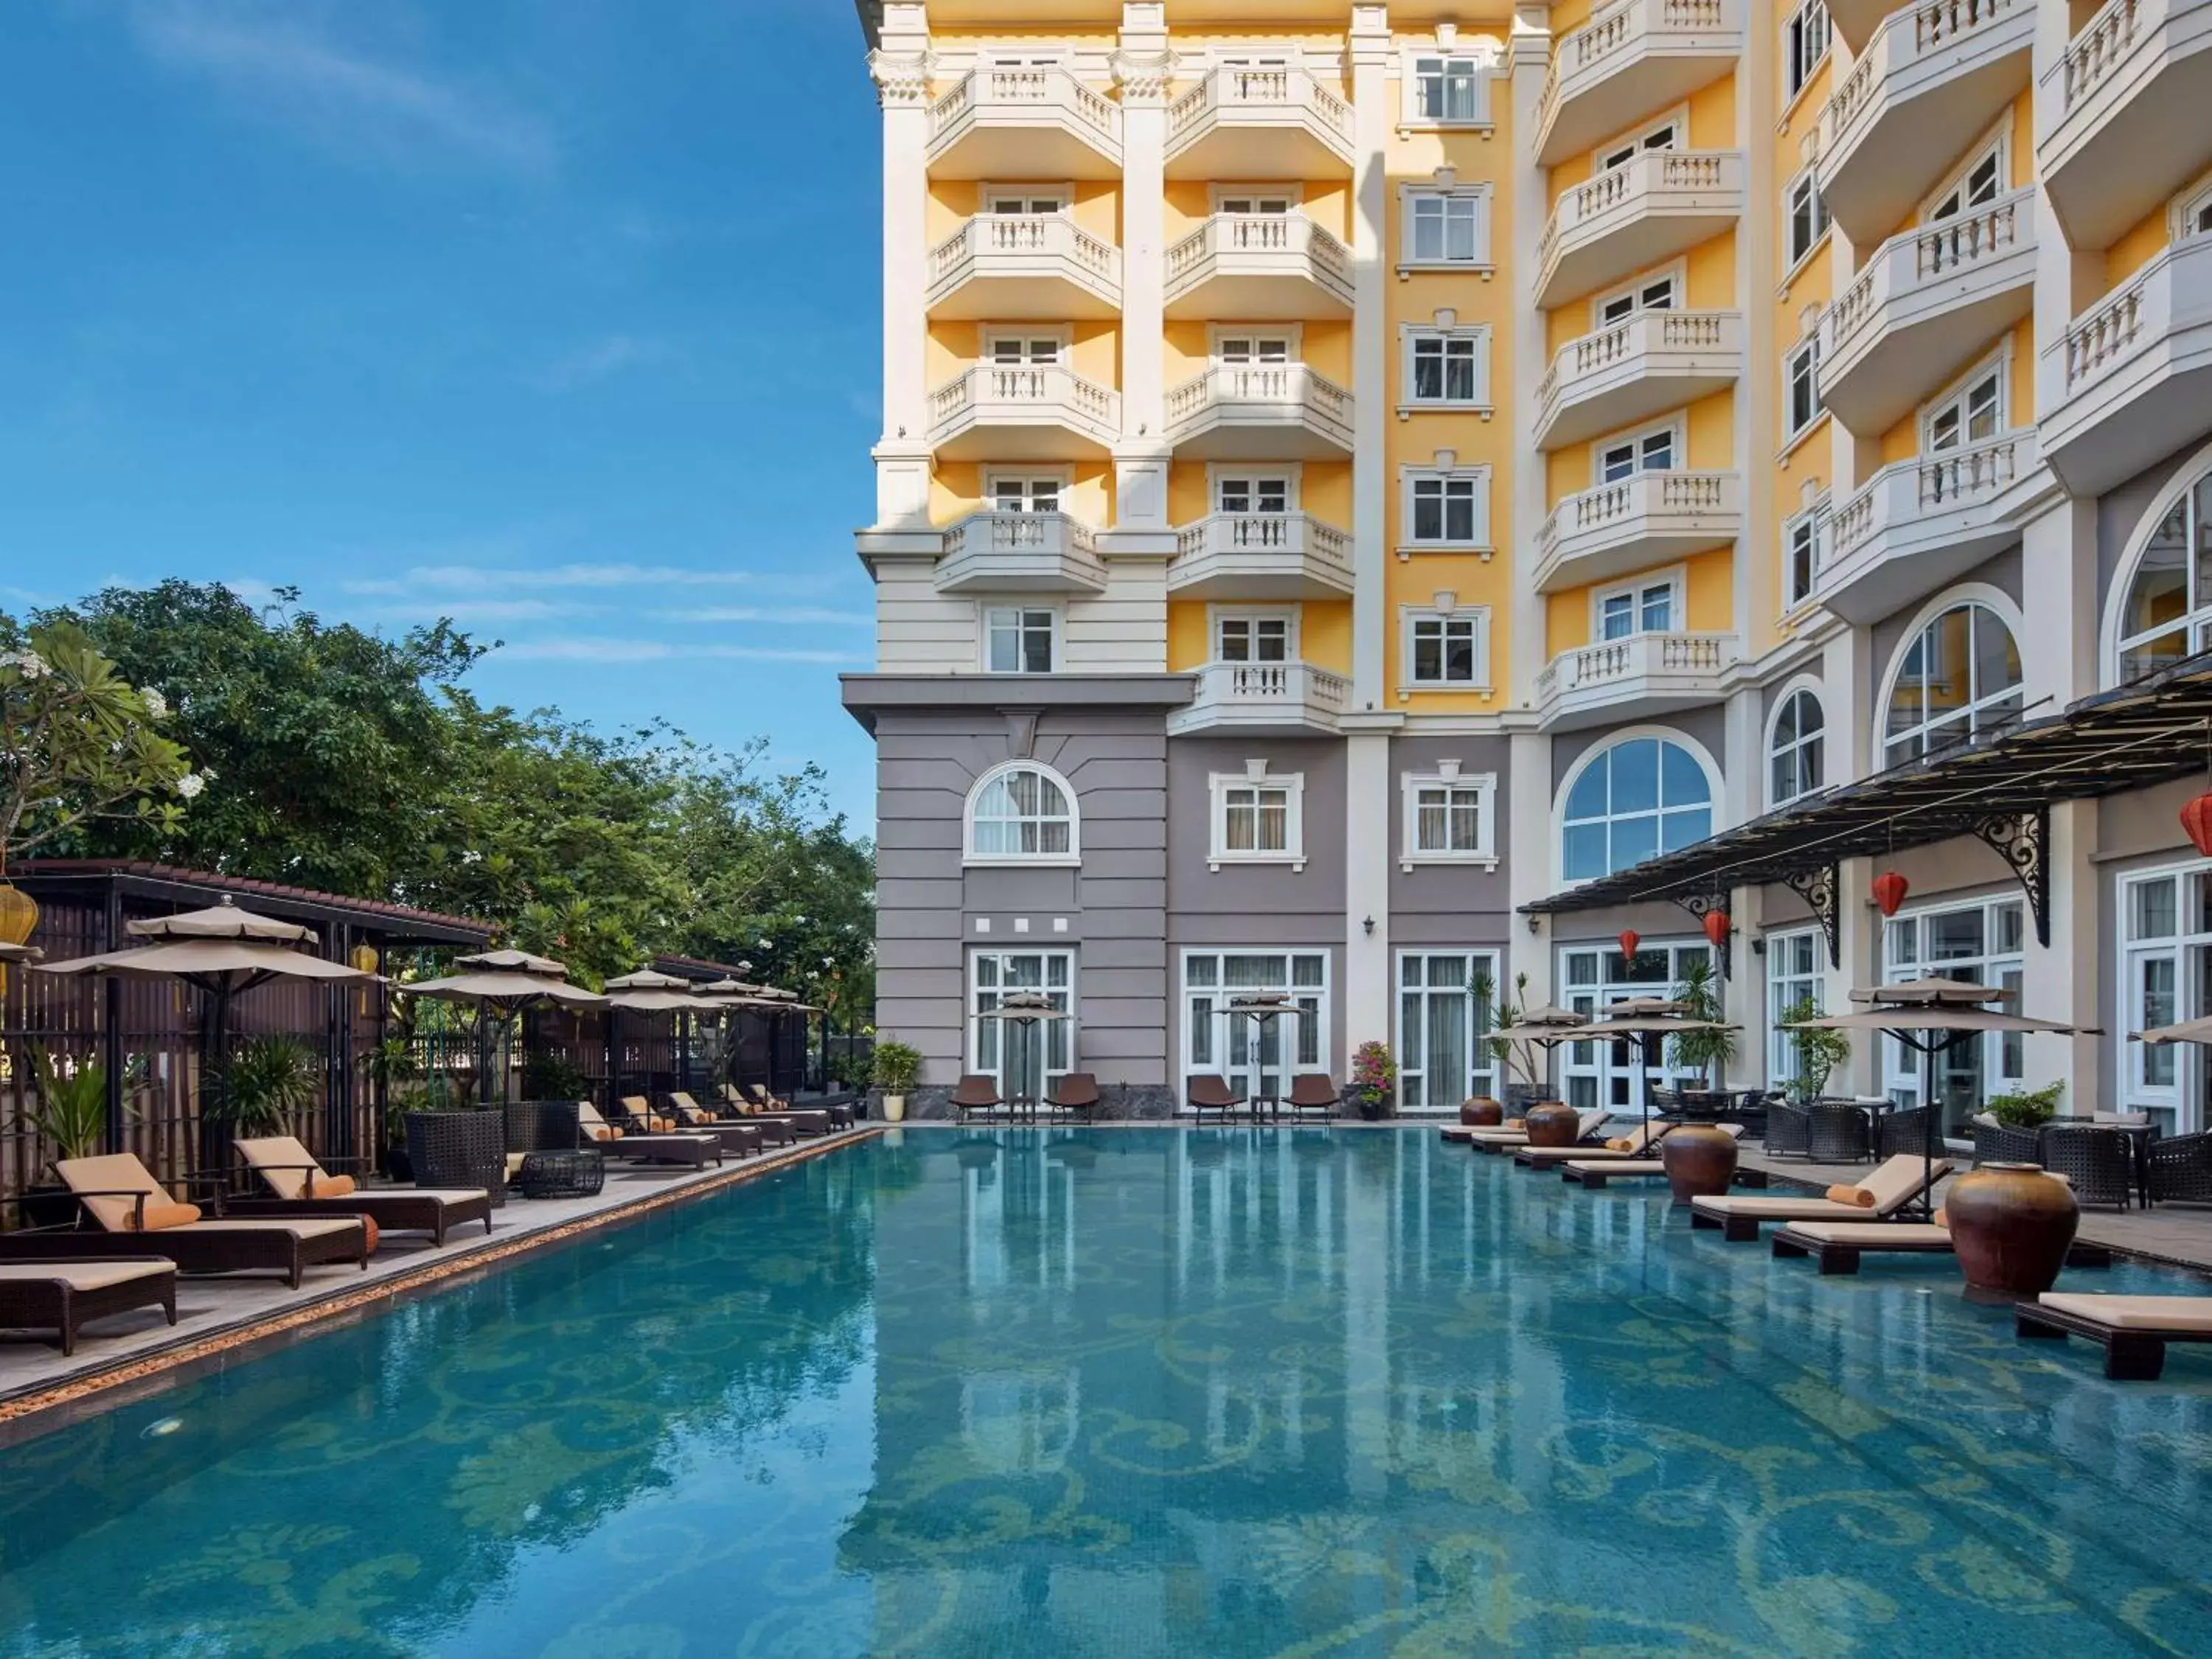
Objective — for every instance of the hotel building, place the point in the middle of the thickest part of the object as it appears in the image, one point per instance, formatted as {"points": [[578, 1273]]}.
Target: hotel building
{"points": [[1375, 499]]}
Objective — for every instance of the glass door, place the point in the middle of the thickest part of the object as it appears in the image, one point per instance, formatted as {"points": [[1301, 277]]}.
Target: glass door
{"points": [[1025, 1058], [1446, 1005], [1593, 1074], [1257, 1057]]}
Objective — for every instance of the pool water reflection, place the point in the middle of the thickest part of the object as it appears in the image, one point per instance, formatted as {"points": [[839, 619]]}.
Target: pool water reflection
{"points": [[1148, 1392]]}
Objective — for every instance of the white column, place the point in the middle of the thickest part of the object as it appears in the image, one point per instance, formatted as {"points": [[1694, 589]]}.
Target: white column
{"points": [[900, 67], [1757, 588], [2065, 281], [1862, 924], [1143, 68], [2058, 644], [1530, 872], [1744, 997], [1529, 54], [2060, 983]]}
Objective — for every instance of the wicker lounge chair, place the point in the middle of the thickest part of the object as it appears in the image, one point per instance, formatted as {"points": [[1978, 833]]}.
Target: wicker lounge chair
{"points": [[1836, 1246], [975, 1093], [300, 1186], [1589, 1130], [1077, 1092], [1593, 1167], [1788, 1130], [1209, 1093], [129, 1208], [69, 1294], [1894, 1184], [743, 1139], [1636, 1143], [805, 1120], [1314, 1092], [841, 1116], [616, 1142], [2181, 1170], [2133, 1330]]}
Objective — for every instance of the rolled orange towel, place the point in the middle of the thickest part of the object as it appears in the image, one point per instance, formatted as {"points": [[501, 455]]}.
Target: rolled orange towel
{"points": [[1942, 1221], [160, 1212], [1620, 1143], [323, 1186], [1516, 1122], [1856, 1196]]}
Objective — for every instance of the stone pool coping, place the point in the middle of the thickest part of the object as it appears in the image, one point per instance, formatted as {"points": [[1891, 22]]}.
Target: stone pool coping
{"points": [[89, 1384]]}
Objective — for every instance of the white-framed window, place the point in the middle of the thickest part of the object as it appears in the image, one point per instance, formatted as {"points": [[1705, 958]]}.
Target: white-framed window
{"points": [[1245, 348], [1447, 508], [1033, 345], [1446, 226], [1447, 88], [1979, 182], [1594, 977], [1246, 492], [1649, 605], [1258, 816], [1983, 943], [1020, 639], [1659, 449], [1265, 201], [1255, 636], [2166, 934], [1967, 411], [1660, 135], [1448, 650], [1025, 1058], [1447, 1008], [1022, 812], [1450, 817], [1796, 758], [1024, 201], [1026, 491], [1804, 216], [2191, 212], [2166, 606], [1801, 386], [1447, 367], [1793, 975], [1800, 553], [1257, 1057], [1804, 44], [1632, 800], [1660, 293], [1960, 675]]}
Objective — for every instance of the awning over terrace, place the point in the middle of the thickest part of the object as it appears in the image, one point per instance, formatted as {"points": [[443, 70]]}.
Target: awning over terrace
{"points": [[1998, 788]]}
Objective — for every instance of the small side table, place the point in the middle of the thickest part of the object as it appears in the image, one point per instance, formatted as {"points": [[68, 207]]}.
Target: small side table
{"points": [[580, 1174]]}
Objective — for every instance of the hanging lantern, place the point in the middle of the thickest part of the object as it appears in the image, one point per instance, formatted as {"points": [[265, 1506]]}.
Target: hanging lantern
{"points": [[363, 958], [1717, 928], [1630, 939], [2196, 821], [18, 915], [1889, 892]]}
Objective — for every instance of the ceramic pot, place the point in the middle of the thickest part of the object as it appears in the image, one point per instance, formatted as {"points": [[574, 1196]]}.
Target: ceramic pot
{"points": [[1481, 1112], [2011, 1224], [1553, 1123], [1699, 1162], [894, 1108]]}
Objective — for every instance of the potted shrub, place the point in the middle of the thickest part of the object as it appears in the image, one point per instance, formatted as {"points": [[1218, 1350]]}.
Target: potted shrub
{"points": [[1707, 1053], [897, 1066], [1524, 1068], [2026, 1108], [266, 1083], [1818, 1052], [71, 1114], [1374, 1078]]}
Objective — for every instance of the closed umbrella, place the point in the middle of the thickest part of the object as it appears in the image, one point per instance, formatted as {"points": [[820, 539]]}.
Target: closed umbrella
{"points": [[503, 983], [1546, 1028], [1641, 1017], [1263, 1009], [1027, 1009]]}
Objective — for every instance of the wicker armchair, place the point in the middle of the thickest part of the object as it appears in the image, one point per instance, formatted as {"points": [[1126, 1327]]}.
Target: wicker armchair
{"points": [[2099, 1164], [1902, 1132], [1788, 1129], [543, 1125], [1995, 1144], [1835, 1133], [2181, 1170], [459, 1149]]}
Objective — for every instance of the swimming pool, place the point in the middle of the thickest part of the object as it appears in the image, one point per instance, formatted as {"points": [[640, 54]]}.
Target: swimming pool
{"points": [[1138, 1392]]}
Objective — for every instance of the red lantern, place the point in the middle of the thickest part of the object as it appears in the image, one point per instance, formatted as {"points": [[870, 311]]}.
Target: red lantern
{"points": [[1717, 928], [1630, 939], [2197, 822], [1889, 892]]}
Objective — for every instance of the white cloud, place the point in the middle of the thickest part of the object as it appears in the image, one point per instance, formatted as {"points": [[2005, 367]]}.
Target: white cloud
{"points": [[492, 579], [468, 611], [616, 651], [284, 65], [795, 614], [599, 360]]}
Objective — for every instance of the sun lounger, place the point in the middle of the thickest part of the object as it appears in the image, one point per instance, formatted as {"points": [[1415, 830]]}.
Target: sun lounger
{"points": [[692, 1149], [1892, 1185], [2133, 1330], [1586, 1130], [300, 1186], [1636, 1144], [135, 1218], [1591, 1168], [804, 1121], [841, 1117], [1836, 1246], [69, 1295], [742, 1139]]}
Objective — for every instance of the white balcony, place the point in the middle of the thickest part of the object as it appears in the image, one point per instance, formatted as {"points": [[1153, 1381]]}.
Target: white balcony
{"points": [[2125, 119], [1633, 58], [1019, 553], [2132, 381], [1257, 555], [1654, 361], [1632, 216], [1259, 267], [1918, 526], [998, 412], [1636, 523], [1252, 699], [1036, 123], [1259, 124], [1260, 412], [1929, 302], [1024, 268], [1643, 676], [1856, 21], [1935, 75]]}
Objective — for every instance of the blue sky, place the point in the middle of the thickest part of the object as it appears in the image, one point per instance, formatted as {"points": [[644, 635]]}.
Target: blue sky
{"points": [[558, 317]]}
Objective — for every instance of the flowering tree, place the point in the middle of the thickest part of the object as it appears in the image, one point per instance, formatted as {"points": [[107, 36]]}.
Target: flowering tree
{"points": [[78, 742]]}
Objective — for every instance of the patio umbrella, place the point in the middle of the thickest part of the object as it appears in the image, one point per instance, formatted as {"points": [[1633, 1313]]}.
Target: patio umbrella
{"points": [[504, 983], [1026, 1009], [1641, 1017], [1546, 1028], [1929, 1016], [648, 991], [2190, 1031], [1263, 1009]]}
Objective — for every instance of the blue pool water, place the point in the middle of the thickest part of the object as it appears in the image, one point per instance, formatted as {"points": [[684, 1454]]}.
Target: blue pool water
{"points": [[1135, 1393]]}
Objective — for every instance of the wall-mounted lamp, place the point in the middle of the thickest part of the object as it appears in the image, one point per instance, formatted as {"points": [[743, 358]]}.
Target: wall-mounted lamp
{"points": [[1759, 947], [1535, 922], [1369, 925]]}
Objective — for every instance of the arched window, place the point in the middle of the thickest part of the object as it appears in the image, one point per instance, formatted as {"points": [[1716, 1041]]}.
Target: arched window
{"points": [[1021, 812], [1638, 798], [2167, 612], [1795, 761], [1960, 675]]}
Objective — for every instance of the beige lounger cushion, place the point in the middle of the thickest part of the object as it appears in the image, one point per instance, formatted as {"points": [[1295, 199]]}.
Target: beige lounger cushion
{"points": [[1896, 1179], [288, 1180], [117, 1172], [1616, 1166], [1872, 1235], [2137, 1313], [85, 1275], [594, 1126], [305, 1226]]}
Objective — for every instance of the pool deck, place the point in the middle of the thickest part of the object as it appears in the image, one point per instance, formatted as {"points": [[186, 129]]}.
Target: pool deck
{"points": [[217, 1315]]}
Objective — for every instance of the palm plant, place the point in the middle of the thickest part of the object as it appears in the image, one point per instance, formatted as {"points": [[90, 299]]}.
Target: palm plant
{"points": [[1525, 1060], [1818, 1052], [264, 1085], [1707, 1053], [71, 1111]]}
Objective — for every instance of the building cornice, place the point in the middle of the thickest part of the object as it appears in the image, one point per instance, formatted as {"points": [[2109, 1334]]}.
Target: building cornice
{"points": [[867, 696]]}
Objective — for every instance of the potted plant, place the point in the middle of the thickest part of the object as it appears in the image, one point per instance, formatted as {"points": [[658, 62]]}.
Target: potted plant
{"points": [[265, 1083], [1818, 1052], [71, 1114], [897, 1066], [2026, 1108], [1707, 1053], [1526, 1066], [1374, 1078]]}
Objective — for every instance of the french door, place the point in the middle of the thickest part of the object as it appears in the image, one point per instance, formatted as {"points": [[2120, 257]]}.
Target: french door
{"points": [[1447, 1005], [1023, 1057], [1594, 1074], [1258, 1057]]}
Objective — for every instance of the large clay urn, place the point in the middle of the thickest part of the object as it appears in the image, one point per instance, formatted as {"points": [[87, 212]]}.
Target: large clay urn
{"points": [[1553, 1123], [2011, 1224], [1699, 1162], [1481, 1112]]}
